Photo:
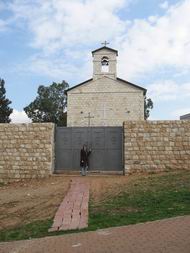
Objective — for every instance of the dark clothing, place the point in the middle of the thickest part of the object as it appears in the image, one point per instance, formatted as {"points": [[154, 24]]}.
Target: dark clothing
{"points": [[84, 154]]}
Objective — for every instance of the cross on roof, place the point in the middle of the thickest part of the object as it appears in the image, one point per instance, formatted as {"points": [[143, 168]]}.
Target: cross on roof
{"points": [[105, 43]]}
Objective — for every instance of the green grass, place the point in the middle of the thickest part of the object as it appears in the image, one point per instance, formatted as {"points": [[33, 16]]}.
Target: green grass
{"points": [[148, 199], [32, 230], [144, 199], [35, 229]]}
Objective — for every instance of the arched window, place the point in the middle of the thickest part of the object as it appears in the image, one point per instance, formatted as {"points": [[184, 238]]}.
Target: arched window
{"points": [[105, 64]]}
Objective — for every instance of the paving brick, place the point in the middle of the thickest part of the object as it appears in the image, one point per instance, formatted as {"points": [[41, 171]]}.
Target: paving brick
{"points": [[73, 211], [165, 236]]}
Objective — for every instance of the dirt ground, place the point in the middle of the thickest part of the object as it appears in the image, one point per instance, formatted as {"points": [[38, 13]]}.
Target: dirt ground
{"points": [[25, 202]]}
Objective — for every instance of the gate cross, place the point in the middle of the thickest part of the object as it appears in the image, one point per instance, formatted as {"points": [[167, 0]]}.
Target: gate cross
{"points": [[89, 118]]}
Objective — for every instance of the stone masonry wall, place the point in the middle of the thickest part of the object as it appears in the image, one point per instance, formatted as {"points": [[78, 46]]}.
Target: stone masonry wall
{"points": [[154, 146], [27, 151], [110, 102]]}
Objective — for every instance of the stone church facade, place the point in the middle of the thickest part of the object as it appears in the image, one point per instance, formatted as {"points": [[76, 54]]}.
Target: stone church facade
{"points": [[105, 99]]}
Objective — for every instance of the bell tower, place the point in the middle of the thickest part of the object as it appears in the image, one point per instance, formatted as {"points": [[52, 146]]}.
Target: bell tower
{"points": [[105, 62]]}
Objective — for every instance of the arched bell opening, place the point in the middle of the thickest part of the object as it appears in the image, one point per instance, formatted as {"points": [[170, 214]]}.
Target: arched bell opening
{"points": [[105, 64]]}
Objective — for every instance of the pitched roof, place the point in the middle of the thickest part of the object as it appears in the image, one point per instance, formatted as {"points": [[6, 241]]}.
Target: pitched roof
{"points": [[119, 79], [104, 47], [186, 116], [78, 85], [132, 84]]}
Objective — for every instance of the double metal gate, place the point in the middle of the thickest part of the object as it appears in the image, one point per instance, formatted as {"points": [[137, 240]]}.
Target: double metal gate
{"points": [[105, 142]]}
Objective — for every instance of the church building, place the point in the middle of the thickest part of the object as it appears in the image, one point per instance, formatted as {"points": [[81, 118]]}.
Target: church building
{"points": [[105, 99]]}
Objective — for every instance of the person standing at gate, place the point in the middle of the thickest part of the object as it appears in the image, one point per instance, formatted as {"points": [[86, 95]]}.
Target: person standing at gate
{"points": [[84, 161]]}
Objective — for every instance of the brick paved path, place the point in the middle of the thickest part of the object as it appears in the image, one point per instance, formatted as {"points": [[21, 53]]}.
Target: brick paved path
{"points": [[166, 236], [73, 211]]}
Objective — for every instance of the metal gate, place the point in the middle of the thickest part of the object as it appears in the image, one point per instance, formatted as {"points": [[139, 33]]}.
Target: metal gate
{"points": [[105, 142]]}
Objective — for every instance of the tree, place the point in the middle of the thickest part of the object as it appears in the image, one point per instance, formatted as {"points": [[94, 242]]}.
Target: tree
{"points": [[49, 105], [148, 105], [5, 110]]}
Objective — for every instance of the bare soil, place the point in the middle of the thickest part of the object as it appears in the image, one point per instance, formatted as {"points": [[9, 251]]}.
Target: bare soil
{"points": [[24, 202], [28, 201]]}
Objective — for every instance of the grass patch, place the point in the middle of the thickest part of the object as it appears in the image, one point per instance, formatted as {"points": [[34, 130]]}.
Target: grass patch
{"points": [[146, 199], [32, 230], [141, 199], [2, 184]]}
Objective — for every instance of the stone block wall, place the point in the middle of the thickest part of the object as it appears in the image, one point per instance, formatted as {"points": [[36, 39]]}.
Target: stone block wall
{"points": [[110, 102], [155, 146], [26, 151]]}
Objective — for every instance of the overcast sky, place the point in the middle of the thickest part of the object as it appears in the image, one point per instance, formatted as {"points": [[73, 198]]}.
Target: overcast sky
{"points": [[42, 41]]}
